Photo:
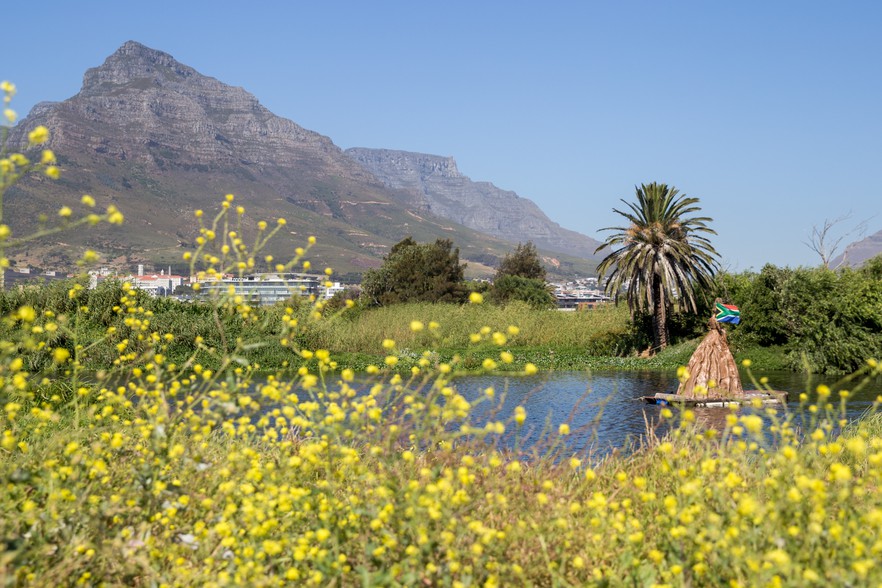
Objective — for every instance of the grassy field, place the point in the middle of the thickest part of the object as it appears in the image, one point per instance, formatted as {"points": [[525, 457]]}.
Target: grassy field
{"points": [[549, 339], [456, 323], [186, 462]]}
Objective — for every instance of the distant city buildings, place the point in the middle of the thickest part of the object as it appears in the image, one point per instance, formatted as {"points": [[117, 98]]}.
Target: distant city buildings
{"points": [[161, 284], [265, 289], [25, 275], [579, 294], [262, 289]]}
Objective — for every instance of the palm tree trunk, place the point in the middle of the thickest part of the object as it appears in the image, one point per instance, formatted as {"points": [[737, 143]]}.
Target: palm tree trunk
{"points": [[660, 319]]}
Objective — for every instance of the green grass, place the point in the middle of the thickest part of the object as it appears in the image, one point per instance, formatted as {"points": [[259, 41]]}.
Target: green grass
{"points": [[550, 339], [772, 358], [456, 323]]}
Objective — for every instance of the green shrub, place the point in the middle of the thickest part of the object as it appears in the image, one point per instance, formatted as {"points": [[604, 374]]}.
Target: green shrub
{"points": [[417, 272], [826, 321], [510, 288]]}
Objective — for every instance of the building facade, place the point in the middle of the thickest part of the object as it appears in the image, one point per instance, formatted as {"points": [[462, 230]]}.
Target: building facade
{"points": [[265, 289]]}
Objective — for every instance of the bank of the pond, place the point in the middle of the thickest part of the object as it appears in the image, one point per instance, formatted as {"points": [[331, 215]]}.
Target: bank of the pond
{"points": [[550, 358], [551, 340], [544, 358]]}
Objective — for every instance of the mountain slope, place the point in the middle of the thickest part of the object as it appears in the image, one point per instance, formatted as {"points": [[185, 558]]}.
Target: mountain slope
{"points": [[160, 139], [441, 189], [860, 251]]}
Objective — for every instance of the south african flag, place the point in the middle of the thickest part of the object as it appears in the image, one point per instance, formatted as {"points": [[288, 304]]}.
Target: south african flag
{"points": [[728, 313]]}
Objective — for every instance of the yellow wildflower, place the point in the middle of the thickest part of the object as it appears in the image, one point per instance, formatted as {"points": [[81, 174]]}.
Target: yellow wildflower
{"points": [[38, 135], [26, 314]]}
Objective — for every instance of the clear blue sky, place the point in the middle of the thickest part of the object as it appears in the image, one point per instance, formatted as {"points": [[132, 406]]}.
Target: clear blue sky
{"points": [[769, 112]]}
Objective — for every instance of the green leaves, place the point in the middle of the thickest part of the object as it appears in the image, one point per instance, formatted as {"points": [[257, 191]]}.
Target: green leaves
{"points": [[521, 277], [534, 292], [663, 257], [829, 321], [524, 262], [417, 272]]}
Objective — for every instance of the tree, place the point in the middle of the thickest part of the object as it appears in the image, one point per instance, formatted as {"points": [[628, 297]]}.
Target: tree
{"points": [[524, 262], [520, 276], [826, 244], [417, 272], [662, 257], [509, 288]]}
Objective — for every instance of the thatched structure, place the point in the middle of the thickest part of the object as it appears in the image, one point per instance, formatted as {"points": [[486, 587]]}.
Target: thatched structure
{"points": [[712, 372]]}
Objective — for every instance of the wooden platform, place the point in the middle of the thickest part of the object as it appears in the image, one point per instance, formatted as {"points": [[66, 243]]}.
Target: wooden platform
{"points": [[766, 397]]}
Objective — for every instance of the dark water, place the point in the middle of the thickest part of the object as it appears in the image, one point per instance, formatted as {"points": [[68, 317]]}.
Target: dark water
{"points": [[603, 408]]}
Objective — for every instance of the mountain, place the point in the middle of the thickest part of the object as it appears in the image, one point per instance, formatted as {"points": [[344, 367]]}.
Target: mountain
{"points": [[159, 140], [442, 190], [860, 251]]}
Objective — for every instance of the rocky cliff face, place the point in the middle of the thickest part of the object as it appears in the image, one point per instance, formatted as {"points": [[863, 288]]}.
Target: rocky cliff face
{"points": [[159, 139], [142, 105], [438, 187]]}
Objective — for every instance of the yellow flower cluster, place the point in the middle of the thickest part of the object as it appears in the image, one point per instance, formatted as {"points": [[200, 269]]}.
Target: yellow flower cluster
{"points": [[8, 89]]}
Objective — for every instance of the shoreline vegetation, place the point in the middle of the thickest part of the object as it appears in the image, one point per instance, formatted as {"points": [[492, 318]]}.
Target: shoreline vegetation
{"points": [[602, 338]]}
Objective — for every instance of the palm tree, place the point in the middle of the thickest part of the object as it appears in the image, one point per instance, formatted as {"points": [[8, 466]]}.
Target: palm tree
{"points": [[662, 257]]}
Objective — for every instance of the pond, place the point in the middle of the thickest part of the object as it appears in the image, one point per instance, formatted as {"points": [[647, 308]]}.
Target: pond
{"points": [[604, 410]]}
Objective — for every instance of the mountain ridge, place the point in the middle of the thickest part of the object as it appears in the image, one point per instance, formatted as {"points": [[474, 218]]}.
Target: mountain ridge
{"points": [[480, 205], [159, 139]]}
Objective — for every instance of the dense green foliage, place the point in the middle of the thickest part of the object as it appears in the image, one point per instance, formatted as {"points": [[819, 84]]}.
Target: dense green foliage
{"points": [[458, 327], [825, 320], [307, 478], [521, 277], [509, 288], [663, 257], [797, 319], [524, 262], [354, 333], [417, 272]]}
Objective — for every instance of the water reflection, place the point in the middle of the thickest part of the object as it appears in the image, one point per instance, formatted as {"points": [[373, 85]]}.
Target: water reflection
{"points": [[604, 410]]}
